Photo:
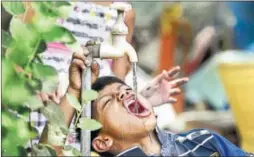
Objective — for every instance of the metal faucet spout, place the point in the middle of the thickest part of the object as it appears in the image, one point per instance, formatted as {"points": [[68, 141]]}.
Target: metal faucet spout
{"points": [[131, 52]]}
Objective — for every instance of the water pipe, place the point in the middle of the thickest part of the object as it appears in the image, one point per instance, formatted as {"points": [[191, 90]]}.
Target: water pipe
{"points": [[105, 50]]}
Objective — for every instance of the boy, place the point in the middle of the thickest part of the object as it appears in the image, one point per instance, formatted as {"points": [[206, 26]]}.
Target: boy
{"points": [[131, 131]]}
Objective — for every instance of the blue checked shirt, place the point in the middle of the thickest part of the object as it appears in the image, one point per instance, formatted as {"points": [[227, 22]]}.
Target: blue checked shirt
{"points": [[199, 142]]}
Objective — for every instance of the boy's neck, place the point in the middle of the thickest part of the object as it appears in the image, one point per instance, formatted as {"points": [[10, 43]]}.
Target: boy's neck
{"points": [[148, 144]]}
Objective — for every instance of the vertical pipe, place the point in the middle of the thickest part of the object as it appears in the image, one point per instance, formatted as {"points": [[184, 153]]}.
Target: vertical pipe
{"points": [[86, 134]]}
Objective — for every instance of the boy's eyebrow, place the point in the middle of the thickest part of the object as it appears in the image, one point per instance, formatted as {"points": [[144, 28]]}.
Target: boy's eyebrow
{"points": [[118, 88]]}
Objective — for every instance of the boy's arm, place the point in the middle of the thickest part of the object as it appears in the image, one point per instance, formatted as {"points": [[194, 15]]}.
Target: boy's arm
{"points": [[68, 111], [121, 66], [75, 73]]}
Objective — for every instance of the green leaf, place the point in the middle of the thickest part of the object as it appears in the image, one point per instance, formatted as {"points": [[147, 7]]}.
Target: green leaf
{"points": [[89, 95], [75, 47], [53, 9], [61, 3], [26, 42], [50, 85], [14, 7], [6, 39], [48, 76], [34, 85], [15, 91], [64, 11], [43, 72], [46, 8], [43, 150], [23, 33], [54, 115], [56, 136], [43, 23], [8, 71], [74, 102], [89, 124], [59, 34], [70, 151], [34, 103], [18, 53], [15, 137]]}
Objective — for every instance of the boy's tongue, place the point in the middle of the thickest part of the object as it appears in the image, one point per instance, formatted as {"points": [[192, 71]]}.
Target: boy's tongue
{"points": [[135, 107]]}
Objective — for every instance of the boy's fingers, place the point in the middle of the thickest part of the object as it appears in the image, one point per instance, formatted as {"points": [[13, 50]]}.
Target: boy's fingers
{"points": [[44, 97], [38, 95], [79, 63], [85, 51], [179, 82], [173, 72], [160, 77], [95, 70], [54, 98], [79, 56], [58, 92], [169, 75], [175, 91], [172, 100]]}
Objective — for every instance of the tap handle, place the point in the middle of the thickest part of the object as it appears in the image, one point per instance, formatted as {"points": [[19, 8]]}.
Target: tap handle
{"points": [[93, 47], [93, 42]]}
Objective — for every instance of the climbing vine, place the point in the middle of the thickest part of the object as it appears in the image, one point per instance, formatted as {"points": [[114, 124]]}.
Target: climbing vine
{"points": [[24, 75]]}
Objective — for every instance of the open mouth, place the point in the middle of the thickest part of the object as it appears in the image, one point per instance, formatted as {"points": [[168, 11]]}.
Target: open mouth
{"points": [[135, 107]]}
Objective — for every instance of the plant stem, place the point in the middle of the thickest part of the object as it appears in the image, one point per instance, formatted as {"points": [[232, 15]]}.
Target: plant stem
{"points": [[78, 115], [33, 54], [38, 59]]}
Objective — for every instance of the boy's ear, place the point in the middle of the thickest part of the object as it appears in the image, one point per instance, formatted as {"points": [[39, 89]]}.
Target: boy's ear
{"points": [[102, 143]]}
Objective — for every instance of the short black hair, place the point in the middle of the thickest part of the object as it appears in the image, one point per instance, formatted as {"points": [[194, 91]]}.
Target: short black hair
{"points": [[99, 85], [104, 81]]}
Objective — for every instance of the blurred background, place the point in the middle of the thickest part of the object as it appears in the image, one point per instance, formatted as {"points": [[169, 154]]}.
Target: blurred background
{"points": [[213, 42]]}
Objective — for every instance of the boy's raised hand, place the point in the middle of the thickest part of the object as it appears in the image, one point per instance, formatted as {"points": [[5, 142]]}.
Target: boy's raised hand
{"points": [[78, 64], [163, 87]]}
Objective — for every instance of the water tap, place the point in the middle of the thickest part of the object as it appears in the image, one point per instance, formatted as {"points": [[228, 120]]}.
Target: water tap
{"points": [[119, 46]]}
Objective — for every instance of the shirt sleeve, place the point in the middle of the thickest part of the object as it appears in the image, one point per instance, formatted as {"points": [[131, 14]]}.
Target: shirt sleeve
{"points": [[227, 148]]}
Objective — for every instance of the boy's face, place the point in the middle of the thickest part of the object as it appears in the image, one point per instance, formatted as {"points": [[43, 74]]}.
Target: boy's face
{"points": [[121, 118]]}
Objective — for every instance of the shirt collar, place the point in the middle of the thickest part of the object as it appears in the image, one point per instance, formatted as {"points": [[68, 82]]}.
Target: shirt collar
{"points": [[134, 151], [137, 151]]}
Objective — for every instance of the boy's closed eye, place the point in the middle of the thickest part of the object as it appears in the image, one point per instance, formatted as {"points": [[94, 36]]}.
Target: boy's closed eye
{"points": [[108, 99]]}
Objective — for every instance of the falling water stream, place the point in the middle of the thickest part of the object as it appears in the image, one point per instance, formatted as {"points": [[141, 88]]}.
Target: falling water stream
{"points": [[135, 86]]}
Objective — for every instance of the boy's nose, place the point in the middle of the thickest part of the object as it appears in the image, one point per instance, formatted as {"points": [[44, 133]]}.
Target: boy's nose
{"points": [[122, 94]]}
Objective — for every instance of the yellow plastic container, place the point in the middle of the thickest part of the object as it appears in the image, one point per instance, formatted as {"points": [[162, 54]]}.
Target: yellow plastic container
{"points": [[238, 82]]}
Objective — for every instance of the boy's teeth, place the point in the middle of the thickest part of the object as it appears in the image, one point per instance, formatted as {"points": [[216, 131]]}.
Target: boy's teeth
{"points": [[130, 102]]}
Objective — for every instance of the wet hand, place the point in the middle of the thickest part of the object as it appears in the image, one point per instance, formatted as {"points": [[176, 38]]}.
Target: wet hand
{"points": [[163, 87], [80, 63]]}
